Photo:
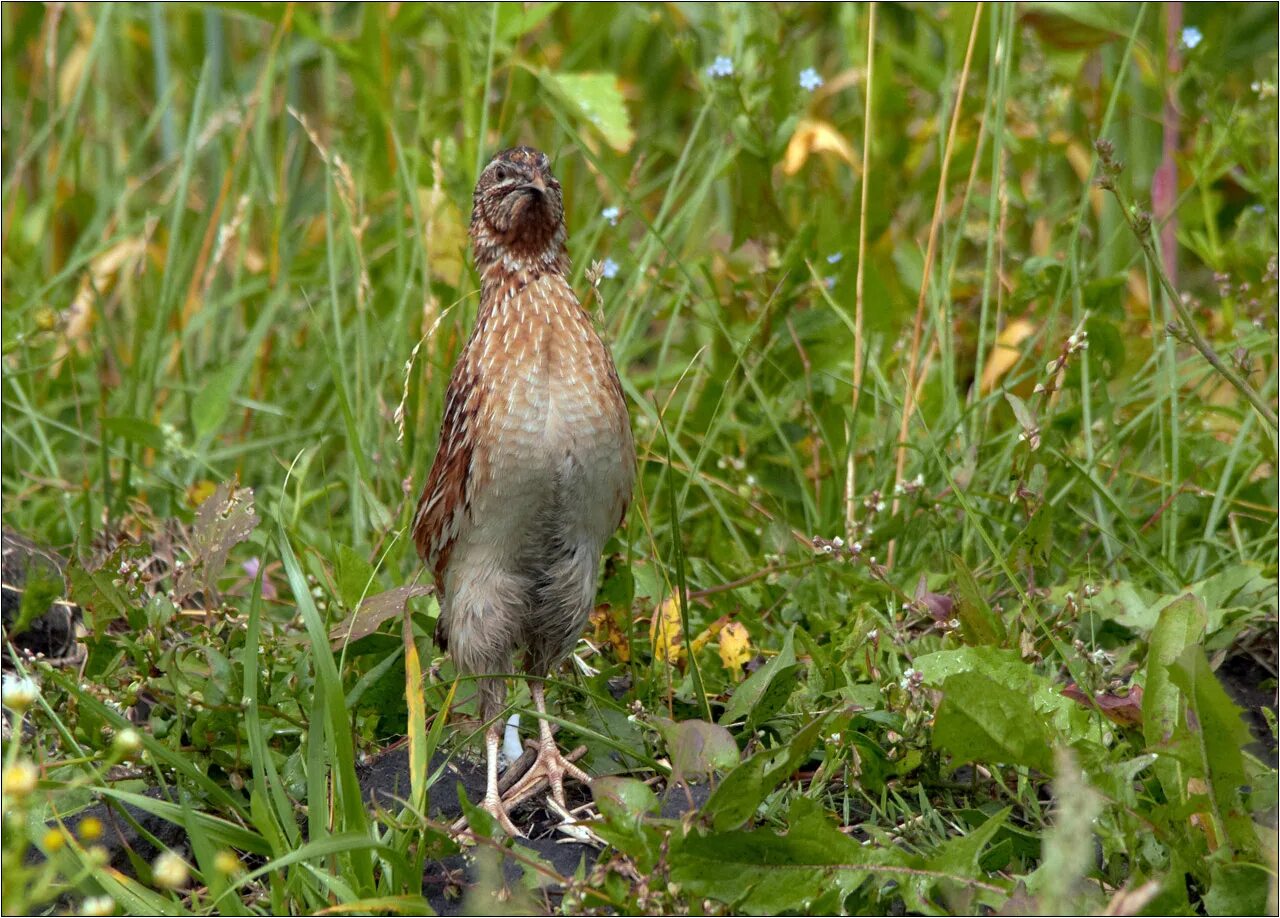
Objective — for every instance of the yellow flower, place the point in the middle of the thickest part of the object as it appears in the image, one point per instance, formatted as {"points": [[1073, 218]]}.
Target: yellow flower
{"points": [[90, 828], [666, 632], [20, 779], [226, 862]]}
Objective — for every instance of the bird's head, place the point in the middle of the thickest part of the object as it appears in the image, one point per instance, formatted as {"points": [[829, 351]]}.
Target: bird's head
{"points": [[518, 211]]}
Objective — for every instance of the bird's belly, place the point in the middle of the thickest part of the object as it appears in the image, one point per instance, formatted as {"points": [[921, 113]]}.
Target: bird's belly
{"points": [[556, 459]]}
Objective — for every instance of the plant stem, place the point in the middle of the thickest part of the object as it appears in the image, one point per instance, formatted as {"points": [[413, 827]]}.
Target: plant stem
{"points": [[1142, 230]]}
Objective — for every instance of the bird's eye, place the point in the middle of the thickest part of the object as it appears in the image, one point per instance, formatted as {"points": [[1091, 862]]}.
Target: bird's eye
{"points": [[502, 172]]}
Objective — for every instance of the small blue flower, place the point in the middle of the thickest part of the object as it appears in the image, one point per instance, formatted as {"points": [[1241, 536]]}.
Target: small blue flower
{"points": [[810, 79], [721, 67], [609, 269], [834, 258], [611, 214], [829, 282], [1191, 36]]}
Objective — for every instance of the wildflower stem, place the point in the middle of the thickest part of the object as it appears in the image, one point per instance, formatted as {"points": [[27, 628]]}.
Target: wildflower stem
{"points": [[850, 489], [908, 397], [1141, 227]]}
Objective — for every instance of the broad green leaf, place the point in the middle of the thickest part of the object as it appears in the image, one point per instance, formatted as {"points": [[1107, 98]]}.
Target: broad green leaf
{"points": [[597, 100], [136, 430], [766, 690], [623, 801], [1008, 669], [978, 622], [518, 19], [764, 873], [1219, 735], [354, 577], [1079, 25], [981, 720], [736, 798], [1180, 625], [1238, 889], [698, 749], [213, 400]]}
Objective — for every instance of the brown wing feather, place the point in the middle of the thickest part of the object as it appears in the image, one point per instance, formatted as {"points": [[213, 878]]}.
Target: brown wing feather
{"points": [[628, 443], [443, 503]]}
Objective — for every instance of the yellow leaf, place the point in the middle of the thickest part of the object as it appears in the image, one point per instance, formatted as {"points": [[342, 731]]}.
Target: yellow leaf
{"points": [[708, 634], [816, 137], [1005, 353], [78, 317], [666, 632], [446, 235], [605, 630], [735, 648], [200, 491]]}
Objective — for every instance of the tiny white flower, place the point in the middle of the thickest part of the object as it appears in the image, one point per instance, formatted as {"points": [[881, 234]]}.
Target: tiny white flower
{"points": [[128, 742], [829, 282], [609, 269], [98, 905], [857, 547], [834, 258], [880, 505], [1191, 36], [20, 779], [170, 871], [19, 693], [873, 634], [810, 79], [611, 214], [721, 67], [837, 542]]}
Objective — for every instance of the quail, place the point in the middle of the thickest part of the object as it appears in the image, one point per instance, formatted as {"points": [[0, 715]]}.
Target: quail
{"points": [[535, 465]]}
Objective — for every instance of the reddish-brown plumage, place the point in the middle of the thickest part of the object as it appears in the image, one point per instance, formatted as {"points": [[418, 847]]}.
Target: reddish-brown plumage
{"points": [[536, 463]]}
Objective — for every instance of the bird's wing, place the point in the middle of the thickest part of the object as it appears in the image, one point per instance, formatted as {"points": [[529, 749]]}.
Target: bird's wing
{"points": [[443, 506], [627, 444]]}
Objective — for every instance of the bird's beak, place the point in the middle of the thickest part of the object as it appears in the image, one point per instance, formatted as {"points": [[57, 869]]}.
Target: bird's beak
{"points": [[535, 184]]}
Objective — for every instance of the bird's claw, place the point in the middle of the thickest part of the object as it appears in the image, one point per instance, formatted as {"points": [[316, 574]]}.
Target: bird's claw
{"points": [[495, 808], [550, 768]]}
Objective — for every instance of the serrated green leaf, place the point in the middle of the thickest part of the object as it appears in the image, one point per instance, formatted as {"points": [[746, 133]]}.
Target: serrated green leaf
{"points": [[764, 873], [596, 99]]}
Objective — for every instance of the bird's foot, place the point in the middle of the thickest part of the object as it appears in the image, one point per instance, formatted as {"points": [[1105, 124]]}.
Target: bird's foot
{"points": [[550, 768], [495, 807]]}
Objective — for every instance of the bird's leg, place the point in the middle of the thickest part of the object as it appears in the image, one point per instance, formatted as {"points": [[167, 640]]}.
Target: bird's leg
{"points": [[550, 764], [492, 799]]}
